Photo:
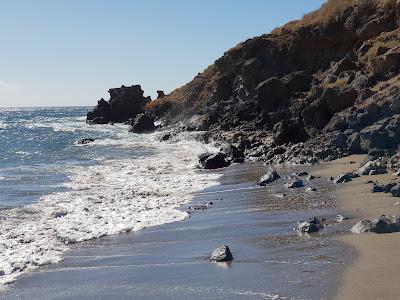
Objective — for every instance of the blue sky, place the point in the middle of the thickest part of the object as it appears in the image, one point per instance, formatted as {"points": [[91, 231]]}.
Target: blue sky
{"points": [[70, 52]]}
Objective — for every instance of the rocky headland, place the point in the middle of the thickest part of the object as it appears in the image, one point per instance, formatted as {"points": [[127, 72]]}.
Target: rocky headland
{"points": [[316, 89]]}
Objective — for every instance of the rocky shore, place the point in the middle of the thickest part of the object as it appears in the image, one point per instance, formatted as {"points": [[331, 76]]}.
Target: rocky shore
{"points": [[314, 90]]}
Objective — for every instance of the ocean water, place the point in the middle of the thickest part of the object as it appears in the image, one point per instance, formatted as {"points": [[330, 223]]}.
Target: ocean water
{"points": [[54, 192]]}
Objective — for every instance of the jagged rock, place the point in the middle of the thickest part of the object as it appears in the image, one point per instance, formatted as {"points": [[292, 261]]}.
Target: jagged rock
{"points": [[233, 153], [100, 114], [272, 94], [142, 124], [214, 161], [386, 62], [289, 131], [124, 104], [376, 188], [344, 64], [354, 143], [160, 94], [294, 184], [395, 190], [311, 177], [300, 173], [269, 177], [311, 225], [85, 141], [372, 168], [383, 224], [222, 253], [297, 81], [346, 177], [384, 134]]}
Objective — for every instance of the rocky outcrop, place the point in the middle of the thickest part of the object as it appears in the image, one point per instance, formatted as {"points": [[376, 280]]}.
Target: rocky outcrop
{"points": [[221, 254], [125, 103], [142, 124], [315, 89]]}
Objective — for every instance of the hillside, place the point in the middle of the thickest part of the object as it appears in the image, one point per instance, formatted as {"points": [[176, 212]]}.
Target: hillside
{"points": [[327, 80]]}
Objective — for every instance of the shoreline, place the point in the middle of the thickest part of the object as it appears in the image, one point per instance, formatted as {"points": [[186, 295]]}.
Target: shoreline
{"points": [[173, 258], [374, 272]]}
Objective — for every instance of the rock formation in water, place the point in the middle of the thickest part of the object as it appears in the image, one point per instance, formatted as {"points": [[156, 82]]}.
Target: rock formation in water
{"points": [[125, 103]]}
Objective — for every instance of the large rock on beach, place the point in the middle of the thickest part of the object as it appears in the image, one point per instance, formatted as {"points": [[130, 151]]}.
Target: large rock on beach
{"points": [[214, 161], [372, 168], [383, 224], [311, 225], [221, 254], [395, 191], [346, 177], [297, 183], [269, 177]]}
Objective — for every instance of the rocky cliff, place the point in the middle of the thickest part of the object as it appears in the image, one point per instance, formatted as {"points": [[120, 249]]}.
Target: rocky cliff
{"points": [[315, 89]]}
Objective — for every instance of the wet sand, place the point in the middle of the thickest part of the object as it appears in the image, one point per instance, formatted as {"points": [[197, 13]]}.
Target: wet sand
{"points": [[375, 273], [171, 261]]}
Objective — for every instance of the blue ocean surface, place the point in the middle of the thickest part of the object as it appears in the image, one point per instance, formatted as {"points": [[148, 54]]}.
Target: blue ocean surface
{"points": [[37, 145]]}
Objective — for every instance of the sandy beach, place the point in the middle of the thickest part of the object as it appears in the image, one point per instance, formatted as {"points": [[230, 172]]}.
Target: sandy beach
{"points": [[374, 274]]}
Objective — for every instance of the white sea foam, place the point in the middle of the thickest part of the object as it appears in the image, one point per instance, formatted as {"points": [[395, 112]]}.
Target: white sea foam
{"points": [[113, 197], [3, 125]]}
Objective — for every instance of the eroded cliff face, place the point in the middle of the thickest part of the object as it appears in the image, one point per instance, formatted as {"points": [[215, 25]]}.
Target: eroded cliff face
{"points": [[319, 88]]}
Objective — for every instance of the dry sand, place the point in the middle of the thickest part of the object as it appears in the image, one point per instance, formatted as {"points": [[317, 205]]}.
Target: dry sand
{"points": [[375, 273]]}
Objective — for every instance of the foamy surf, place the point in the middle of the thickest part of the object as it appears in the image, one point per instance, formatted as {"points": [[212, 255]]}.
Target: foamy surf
{"points": [[115, 196]]}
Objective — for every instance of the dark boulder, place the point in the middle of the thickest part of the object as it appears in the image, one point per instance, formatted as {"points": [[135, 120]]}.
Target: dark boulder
{"points": [[311, 225], [272, 94], [294, 184], [297, 81], [85, 141], [346, 177], [383, 224], [383, 188], [100, 114], [269, 177], [390, 61], [384, 134], [221, 254], [345, 64], [214, 161], [373, 168], [395, 191], [142, 124], [287, 131]]}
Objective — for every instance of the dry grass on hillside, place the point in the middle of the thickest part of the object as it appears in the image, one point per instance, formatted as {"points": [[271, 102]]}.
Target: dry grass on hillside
{"points": [[193, 93], [328, 11]]}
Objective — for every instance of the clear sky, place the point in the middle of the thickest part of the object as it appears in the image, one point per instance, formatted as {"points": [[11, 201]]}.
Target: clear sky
{"points": [[70, 52]]}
